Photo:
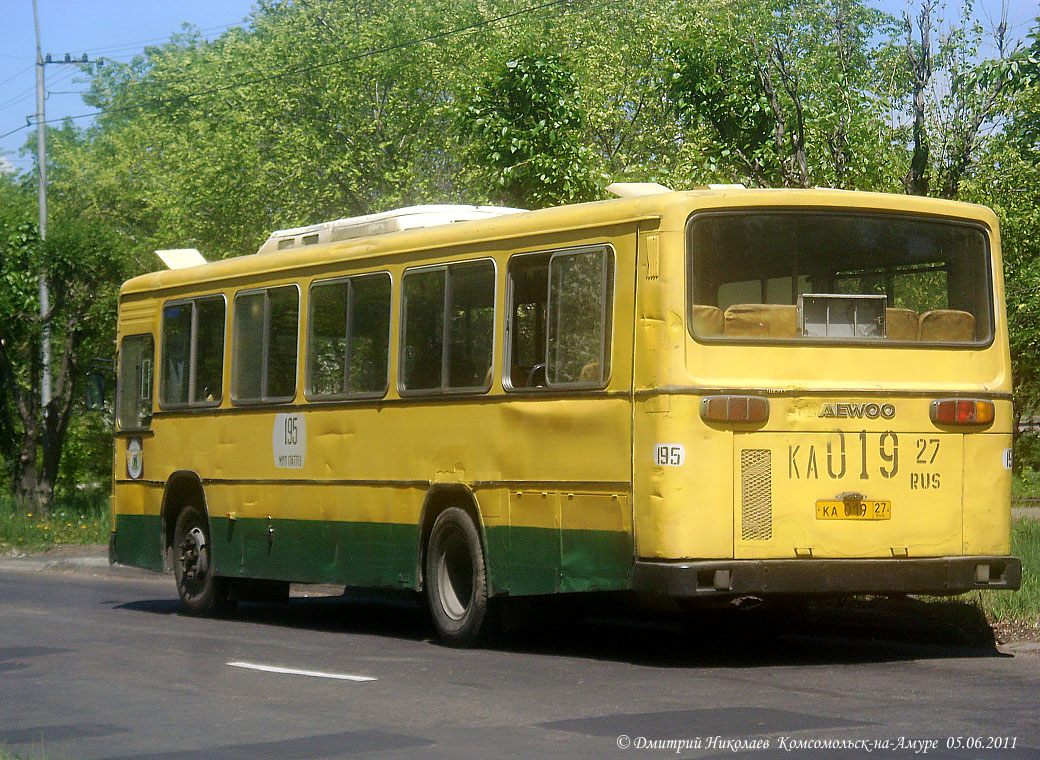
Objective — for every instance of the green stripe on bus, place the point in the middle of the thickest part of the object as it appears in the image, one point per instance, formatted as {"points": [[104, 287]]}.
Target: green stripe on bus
{"points": [[315, 551], [138, 541], [546, 561], [521, 561]]}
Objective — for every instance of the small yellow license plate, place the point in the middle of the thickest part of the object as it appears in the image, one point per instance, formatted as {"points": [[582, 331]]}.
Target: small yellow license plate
{"points": [[865, 509]]}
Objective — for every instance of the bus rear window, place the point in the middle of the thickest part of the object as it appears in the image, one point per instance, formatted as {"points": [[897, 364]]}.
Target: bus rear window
{"points": [[833, 276]]}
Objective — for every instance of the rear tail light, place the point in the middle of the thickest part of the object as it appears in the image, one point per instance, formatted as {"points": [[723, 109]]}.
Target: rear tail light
{"points": [[959, 411], [734, 409]]}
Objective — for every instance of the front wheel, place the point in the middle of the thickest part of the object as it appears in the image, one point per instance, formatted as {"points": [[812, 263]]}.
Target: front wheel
{"points": [[201, 592], [456, 578]]}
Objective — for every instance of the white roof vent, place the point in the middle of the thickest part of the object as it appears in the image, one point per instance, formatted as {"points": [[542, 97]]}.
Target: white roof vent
{"points": [[180, 258], [636, 189], [379, 224]]}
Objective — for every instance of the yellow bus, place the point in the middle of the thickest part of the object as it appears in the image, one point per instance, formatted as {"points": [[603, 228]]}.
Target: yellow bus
{"points": [[703, 395]]}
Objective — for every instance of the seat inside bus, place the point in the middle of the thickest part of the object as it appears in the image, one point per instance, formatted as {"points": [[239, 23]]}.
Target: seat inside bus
{"points": [[947, 325], [760, 320], [707, 320], [752, 320], [901, 324]]}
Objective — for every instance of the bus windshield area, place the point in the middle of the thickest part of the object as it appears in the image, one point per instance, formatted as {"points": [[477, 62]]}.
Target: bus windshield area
{"points": [[812, 276]]}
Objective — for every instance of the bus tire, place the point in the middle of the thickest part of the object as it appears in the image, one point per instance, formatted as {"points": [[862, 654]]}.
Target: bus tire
{"points": [[456, 578], [202, 593]]}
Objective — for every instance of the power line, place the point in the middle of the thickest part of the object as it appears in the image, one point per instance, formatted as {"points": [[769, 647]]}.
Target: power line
{"points": [[128, 46], [14, 131], [130, 85], [324, 65], [62, 77], [15, 76], [133, 43], [314, 67]]}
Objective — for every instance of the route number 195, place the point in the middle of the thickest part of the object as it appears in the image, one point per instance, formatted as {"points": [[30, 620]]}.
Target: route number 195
{"points": [[669, 454]]}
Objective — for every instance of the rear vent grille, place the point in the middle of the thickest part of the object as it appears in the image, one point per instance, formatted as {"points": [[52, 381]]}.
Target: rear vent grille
{"points": [[756, 495]]}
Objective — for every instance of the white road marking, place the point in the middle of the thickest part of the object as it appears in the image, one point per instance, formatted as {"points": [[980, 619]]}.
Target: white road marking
{"points": [[295, 672]]}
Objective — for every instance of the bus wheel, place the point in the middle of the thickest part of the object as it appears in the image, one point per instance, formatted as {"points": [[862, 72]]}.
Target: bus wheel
{"points": [[456, 578], [201, 592]]}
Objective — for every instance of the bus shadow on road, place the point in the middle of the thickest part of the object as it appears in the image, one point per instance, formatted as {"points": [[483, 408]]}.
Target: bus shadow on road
{"points": [[833, 632], [829, 632]]}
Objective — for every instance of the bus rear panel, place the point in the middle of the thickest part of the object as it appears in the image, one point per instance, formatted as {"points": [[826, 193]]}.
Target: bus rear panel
{"points": [[841, 420]]}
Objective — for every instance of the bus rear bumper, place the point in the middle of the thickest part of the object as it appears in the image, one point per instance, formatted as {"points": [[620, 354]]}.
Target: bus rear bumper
{"points": [[931, 575]]}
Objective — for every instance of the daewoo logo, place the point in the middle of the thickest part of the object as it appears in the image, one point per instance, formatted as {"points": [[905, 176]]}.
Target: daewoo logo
{"points": [[858, 411]]}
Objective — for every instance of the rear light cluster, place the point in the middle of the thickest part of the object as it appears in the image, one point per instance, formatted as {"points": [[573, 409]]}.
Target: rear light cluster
{"points": [[959, 411], [734, 409]]}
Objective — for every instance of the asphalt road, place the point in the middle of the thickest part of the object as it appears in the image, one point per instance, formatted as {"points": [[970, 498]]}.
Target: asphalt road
{"points": [[105, 667]]}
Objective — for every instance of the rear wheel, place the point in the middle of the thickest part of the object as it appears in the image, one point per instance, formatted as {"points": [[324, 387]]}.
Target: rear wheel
{"points": [[201, 592], [456, 578]]}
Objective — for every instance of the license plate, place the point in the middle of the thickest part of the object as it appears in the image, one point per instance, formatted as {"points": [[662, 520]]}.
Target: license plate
{"points": [[865, 509]]}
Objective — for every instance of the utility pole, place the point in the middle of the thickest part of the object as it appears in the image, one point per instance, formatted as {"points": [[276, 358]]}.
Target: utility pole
{"points": [[41, 166], [41, 188]]}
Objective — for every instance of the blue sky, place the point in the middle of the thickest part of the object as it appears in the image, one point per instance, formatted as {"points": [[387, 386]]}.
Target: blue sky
{"points": [[118, 29]]}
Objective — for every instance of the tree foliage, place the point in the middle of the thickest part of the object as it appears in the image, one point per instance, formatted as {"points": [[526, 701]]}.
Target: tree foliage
{"points": [[82, 266], [789, 91], [957, 95], [526, 121], [1007, 177]]}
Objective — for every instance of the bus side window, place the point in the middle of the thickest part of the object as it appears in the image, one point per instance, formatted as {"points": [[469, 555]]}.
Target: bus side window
{"points": [[581, 289], [283, 320], [134, 391], [423, 325], [448, 323], [176, 353], [264, 344], [347, 352], [368, 336], [192, 362], [560, 318], [471, 332], [209, 351], [528, 309]]}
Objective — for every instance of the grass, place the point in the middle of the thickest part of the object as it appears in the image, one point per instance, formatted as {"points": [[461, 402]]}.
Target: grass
{"points": [[79, 518], [1025, 485], [1023, 605]]}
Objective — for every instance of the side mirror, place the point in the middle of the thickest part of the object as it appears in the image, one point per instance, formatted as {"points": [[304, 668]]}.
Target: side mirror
{"points": [[95, 391]]}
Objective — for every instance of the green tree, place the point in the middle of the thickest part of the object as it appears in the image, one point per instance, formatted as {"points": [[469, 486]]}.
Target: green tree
{"points": [[527, 124], [1006, 176], [81, 263], [786, 92], [956, 95], [320, 110]]}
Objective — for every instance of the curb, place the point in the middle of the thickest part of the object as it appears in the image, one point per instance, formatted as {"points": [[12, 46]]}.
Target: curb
{"points": [[84, 565], [1020, 647]]}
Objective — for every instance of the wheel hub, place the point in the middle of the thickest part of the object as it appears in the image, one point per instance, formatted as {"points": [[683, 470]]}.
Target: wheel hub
{"points": [[194, 559], [455, 577]]}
